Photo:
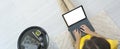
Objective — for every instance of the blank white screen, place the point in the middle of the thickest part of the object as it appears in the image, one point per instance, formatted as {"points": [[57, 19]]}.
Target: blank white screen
{"points": [[74, 16]]}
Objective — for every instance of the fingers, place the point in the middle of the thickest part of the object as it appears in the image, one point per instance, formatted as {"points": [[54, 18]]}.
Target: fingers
{"points": [[76, 30], [77, 33], [82, 28], [85, 29]]}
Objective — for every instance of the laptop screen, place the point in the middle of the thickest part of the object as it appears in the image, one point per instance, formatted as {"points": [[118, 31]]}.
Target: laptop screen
{"points": [[74, 16]]}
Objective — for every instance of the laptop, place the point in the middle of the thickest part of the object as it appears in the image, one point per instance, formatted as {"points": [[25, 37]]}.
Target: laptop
{"points": [[75, 18]]}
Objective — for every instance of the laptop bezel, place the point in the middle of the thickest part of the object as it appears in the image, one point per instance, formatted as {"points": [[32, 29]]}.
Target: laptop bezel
{"points": [[73, 10]]}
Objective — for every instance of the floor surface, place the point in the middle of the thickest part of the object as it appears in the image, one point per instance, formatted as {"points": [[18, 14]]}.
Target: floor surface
{"points": [[17, 15]]}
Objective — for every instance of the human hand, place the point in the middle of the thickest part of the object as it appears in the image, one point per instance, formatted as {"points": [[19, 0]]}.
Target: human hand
{"points": [[85, 29], [77, 34]]}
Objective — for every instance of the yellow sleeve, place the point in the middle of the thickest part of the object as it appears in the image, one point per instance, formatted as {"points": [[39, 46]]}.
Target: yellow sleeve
{"points": [[82, 40], [113, 43]]}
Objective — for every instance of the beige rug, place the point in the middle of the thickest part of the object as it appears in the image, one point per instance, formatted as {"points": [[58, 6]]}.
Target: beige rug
{"points": [[104, 25]]}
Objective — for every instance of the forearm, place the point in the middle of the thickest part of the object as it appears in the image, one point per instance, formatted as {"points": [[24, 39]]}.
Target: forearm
{"points": [[96, 34], [77, 43]]}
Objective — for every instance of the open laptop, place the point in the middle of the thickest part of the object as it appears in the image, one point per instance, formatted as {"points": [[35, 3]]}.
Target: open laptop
{"points": [[75, 18]]}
